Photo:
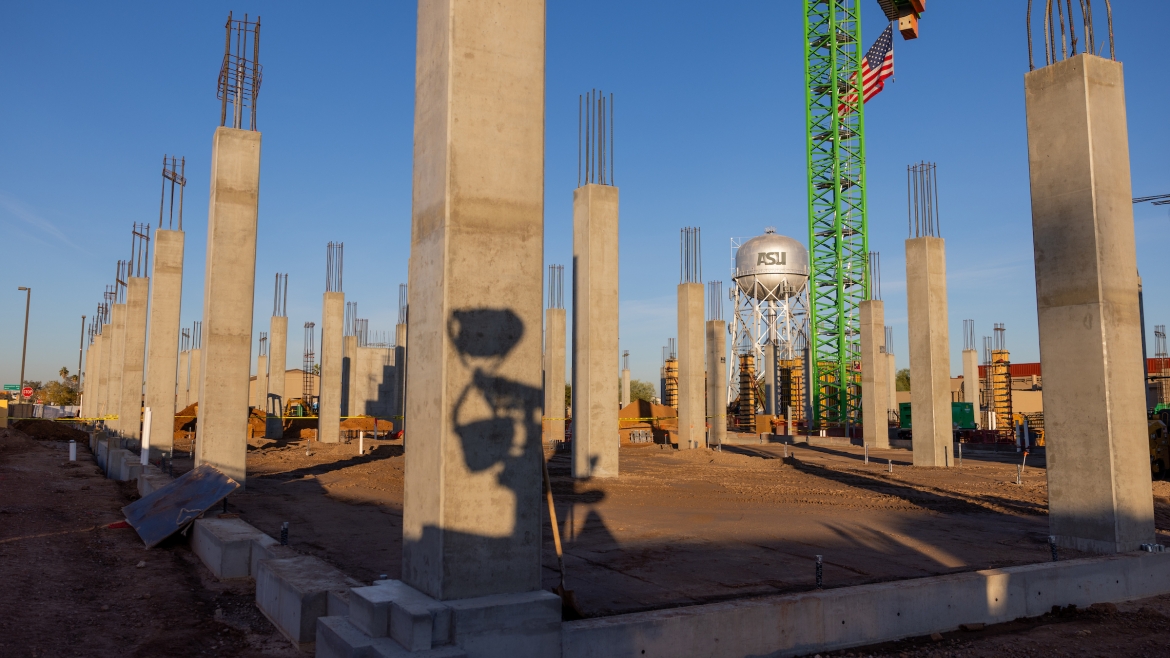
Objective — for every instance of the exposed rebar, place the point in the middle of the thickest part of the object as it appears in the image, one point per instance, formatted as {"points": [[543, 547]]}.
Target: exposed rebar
{"points": [[595, 138], [239, 75], [690, 268], [334, 255], [173, 170], [715, 300], [556, 286], [922, 200], [280, 296]]}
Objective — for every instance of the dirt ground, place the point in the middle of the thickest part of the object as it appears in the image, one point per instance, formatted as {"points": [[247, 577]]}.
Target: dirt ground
{"points": [[72, 587], [677, 528]]}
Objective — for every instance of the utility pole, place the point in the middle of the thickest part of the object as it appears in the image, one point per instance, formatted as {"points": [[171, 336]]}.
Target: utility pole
{"points": [[24, 349]]}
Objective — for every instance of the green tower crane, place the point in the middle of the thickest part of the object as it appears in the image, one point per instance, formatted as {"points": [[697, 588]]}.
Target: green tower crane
{"points": [[837, 233], [838, 240]]}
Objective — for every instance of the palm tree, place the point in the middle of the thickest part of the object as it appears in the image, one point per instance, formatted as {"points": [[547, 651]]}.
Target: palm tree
{"points": [[64, 372]]}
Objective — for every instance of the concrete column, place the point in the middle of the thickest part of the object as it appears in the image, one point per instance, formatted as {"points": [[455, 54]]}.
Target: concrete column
{"points": [[228, 291], [101, 402], [349, 375], [472, 506], [117, 364], [874, 380], [373, 392], [166, 291], [554, 374], [1099, 496], [692, 387], [892, 373], [134, 357], [595, 331], [332, 327], [277, 359], [261, 394], [625, 387], [181, 381], [195, 376], [717, 381], [971, 382], [930, 351], [400, 376], [93, 371]]}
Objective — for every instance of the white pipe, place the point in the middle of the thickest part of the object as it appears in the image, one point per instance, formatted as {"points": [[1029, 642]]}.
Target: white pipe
{"points": [[72, 450], [361, 442], [146, 437]]}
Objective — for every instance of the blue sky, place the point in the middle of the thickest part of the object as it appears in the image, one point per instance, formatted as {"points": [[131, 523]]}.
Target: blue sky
{"points": [[709, 132]]}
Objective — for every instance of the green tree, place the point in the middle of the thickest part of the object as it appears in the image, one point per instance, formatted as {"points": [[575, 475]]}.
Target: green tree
{"points": [[640, 390], [568, 396], [902, 380]]}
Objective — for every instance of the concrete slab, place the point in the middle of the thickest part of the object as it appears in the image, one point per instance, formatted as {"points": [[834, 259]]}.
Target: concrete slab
{"points": [[225, 546], [293, 592], [338, 638], [394, 608]]}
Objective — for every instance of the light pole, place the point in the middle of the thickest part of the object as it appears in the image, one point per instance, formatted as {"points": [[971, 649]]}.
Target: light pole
{"points": [[24, 349]]}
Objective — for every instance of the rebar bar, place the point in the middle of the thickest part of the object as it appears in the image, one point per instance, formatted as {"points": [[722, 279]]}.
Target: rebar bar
{"points": [[874, 261], [239, 76], [690, 256], [595, 135], [556, 286], [403, 304], [715, 300], [1068, 43], [280, 296], [922, 200], [334, 256]]}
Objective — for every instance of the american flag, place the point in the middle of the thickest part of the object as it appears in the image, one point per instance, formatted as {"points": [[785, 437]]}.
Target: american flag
{"points": [[876, 66]]}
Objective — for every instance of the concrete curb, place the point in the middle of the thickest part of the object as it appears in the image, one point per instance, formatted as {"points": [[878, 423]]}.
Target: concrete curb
{"points": [[868, 614]]}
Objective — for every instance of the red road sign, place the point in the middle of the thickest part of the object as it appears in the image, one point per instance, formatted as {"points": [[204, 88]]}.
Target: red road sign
{"points": [[27, 391]]}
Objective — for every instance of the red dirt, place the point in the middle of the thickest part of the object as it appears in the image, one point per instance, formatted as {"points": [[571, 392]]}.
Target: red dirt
{"points": [[74, 588]]}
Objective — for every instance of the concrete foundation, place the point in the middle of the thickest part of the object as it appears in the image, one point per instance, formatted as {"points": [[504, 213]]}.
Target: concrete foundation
{"points": [[554, 375], [716, 381], [225, 546], [971, 383], [117, 364], [166, 292], [692, 387], [332, 343], [294, 592], [595, 331], [1099, 494], [874, 379], [277, 357], [837, 619], [930, 351], [228, 291], [472, 504]]}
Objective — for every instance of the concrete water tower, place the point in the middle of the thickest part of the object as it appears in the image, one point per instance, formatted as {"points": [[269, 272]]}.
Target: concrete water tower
{"points": [[771, 321]]}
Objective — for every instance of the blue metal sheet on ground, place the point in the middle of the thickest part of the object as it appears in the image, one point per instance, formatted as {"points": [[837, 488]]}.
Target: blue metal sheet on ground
{"points": [[169, 509]]}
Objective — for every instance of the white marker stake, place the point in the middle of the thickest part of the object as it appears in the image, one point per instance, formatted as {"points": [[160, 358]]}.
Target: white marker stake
{"points": [[361, 443], [72, 450], [146, 436]]}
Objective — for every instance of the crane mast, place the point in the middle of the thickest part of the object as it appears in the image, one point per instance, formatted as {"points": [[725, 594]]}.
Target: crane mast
{"points": [[838, 237]]}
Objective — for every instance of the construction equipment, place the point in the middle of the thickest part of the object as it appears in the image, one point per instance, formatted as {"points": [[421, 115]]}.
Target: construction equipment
{"points": [[1159, 450]]}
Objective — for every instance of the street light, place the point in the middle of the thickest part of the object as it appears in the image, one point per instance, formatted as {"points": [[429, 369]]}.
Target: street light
{"points": [[24, 350]]}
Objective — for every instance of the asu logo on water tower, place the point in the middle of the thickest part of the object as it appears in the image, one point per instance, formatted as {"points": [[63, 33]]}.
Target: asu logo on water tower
{"points": [[772, 258]]}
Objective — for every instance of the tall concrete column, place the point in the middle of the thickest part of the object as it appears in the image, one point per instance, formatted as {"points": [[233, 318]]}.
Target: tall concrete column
{"points": [[717, 380], [134, 357], [182, 380], [971, 382], [930, 351], [101, 402], [874, 380], [166, 291], [400, 376], [228, 291], [261, 395], [625, 386], [277, 358], [595, 331], [117, 364], [93, 372], [1099, 496], [277, 355], [692, 387], [892, 373], [349, 376], [332, 327], [472, 503], [554, 374], [195, 376], [770, 379]]}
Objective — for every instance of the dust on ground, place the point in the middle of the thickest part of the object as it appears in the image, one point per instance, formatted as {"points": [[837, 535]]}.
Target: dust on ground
{"points": [[73, 587]]}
